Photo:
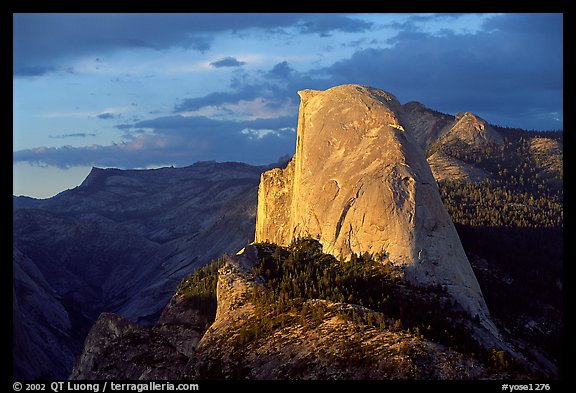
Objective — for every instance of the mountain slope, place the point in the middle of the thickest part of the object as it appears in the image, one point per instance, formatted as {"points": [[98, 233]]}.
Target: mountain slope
{"points": [[471, 130], [40, 321], [445, 167], [425, 124], [122, 241]]}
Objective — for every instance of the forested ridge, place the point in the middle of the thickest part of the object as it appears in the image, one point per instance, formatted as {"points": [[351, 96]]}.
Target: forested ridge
{"points": [[511, 226], [295, 282]]}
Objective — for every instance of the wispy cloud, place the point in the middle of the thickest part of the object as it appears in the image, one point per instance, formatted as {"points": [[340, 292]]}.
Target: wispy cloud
{"points": [[108, 113], [259, 108], [227, 62], [74, 135], [326, 24]]}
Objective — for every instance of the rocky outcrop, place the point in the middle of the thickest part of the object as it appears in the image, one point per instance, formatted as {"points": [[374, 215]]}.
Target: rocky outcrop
{"points": [[429, 127], [359, 183], [471, 130], [333, 347], [449, 168], [549, 157], [117, 348]]}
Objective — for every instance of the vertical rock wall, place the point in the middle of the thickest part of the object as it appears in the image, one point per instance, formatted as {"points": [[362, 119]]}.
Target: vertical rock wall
{"points": [[359, 182]]}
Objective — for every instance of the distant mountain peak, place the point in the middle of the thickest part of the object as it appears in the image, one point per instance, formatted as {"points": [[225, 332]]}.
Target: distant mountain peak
{"points": [[415, 105], [473, 130], [97, 175]]}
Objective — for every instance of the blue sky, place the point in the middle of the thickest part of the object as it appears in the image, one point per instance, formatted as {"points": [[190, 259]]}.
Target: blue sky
{"points": [[150, 90]]}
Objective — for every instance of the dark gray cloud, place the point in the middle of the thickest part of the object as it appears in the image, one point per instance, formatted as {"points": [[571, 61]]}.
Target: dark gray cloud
{"points": [[328, 23], [41, 41], [510, 74], [227, 62], [218, 99], [178, 140], [281, 70], [279, 85], [107, 116], [32, 70], [74, 135], [506, 75]]}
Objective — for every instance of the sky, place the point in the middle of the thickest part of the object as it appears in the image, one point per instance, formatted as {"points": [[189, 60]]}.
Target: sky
{"points": [[153, 90]]}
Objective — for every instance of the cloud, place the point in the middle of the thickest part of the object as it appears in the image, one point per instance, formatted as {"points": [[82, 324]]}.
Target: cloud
{"points": [[178, 140], [281, 70], [41, 41], [51, 36], [107, 115], [227, 62], [200, 125], [329, 23], [509, 72], [273, 89], [75, 135], [262, 132], [32, 70], [217, 99], [259, 108]]}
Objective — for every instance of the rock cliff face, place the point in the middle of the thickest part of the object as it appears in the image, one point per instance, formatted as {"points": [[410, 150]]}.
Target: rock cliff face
{"points": [[117, 348], [359, 183]]}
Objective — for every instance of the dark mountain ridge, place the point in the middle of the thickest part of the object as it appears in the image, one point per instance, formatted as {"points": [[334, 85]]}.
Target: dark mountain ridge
{"points": [[120, 242]]}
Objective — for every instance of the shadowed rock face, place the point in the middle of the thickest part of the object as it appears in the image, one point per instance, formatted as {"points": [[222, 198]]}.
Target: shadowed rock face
{"points": [[425, 124], [39, 321], [120, 242], [359, 183]]}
